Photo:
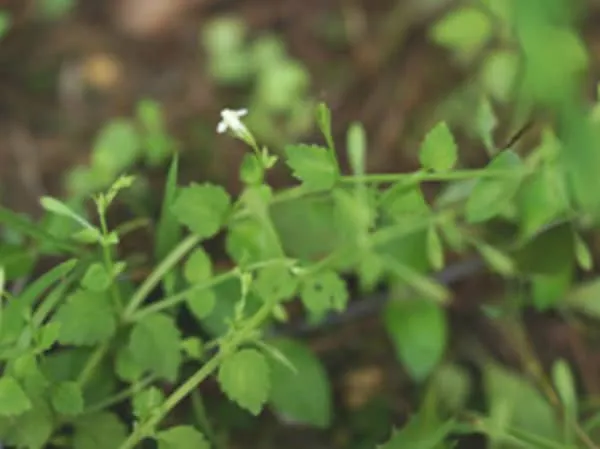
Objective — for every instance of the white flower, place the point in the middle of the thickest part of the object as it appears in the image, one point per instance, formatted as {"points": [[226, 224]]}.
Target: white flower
{"points": [[230, 119]]}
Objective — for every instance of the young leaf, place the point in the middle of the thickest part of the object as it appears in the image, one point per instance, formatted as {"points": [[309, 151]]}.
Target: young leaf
{"points": [[86, 318], [13, 400], [198, 267], [244, 378], [202, 208], [304, 396], [201, 303], [168, 231], [419, 331], [583, 254], [496, 259], [435, 250], [252, 171], [357, 147], [491, 195], [323, 291], [67, 398], [324, 123], [96, 278], [59, 208], [438, 151], [181, 437], [275, 283], [313, 165], [155, 345], [147, 401], [102, 430], [564, 383]]}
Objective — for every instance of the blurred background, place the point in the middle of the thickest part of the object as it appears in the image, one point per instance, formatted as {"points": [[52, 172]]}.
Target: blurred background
{"points": [[91, 88]]}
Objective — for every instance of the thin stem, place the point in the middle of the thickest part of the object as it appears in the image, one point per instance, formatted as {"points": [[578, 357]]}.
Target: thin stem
{"points": [[108, 262], [121, 396], [172, 300], [422, 176], [91, 364], [158, 273]]}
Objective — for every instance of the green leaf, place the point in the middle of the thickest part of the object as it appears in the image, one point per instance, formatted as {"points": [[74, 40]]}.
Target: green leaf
{"points": [[202, 208], [548, 291], [275, 283], [244, 378], [516, 404], [453, 386], [465, 30], [101, 430], [419, 435], [87, 318], [323, 291], [419, 332], [583, 254], [435, 249], [357, 147], [541, 199], [485, 123], [490, 196], [564, 383], [304, 396], [59, 208], [438, 151], [117, 147], [201, 303], [403, 202], [96, 278], [324, 123], [181, 437], [146, 402], [13, 400], [168, 231], [31, 430], [5, 23], [313, 165], [67, 398], [155, 345], [198, 267], [584, 298], [251, 171], [496, 259], [498, 73]]}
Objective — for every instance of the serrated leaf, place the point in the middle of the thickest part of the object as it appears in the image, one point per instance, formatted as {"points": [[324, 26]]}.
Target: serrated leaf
{"points": [[86, 318], [491, 195], [67, 398], [275, 283], [198, 267], [155, 345], [101, 430], [32, 429], [323, 291], [96, 278], [244, 378], [438, 151], [313, 165], [181, 437], [202, 208], [419, 331], [305, 395], [13, 400]]}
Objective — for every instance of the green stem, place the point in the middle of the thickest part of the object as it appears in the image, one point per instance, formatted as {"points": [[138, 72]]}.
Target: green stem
{"points": [[227, 348], [108, 262], [172, 300], [422, 176], [158, 273], [91, 364], [121, 396]]}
